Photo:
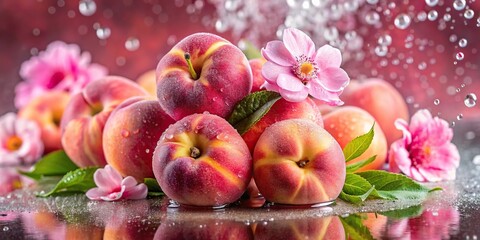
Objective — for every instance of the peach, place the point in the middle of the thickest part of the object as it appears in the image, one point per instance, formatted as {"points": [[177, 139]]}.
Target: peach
{"points": [[381, 100], [203, 72], [148, 82], [258, 79], [201, 160], [86, 114], [347, 123], [47, 110], [297, 162], [131, 134], [305, 228], [282, 110]]}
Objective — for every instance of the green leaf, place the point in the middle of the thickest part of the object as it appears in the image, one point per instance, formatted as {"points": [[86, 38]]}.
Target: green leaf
{"points": [[154, 189], [80, 180], [250, 50], [395, 186], [358, 145], [356, 189], [251, 109], [410, 212], [355, 166], [54, 164], [354, 228]]}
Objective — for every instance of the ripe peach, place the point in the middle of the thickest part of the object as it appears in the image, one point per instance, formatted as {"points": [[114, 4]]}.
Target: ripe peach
{"points": [[201, 160], [347, 123], [86, 114], [47, 110], [131, 134], [381, 100], [203, 72], [258, 79], [282, 110], [297, 162], [148, 82]]}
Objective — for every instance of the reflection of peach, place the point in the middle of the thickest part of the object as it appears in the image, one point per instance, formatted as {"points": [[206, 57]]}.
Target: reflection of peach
{"points": [[148, 82], [306, 228], [297, 162], [376, 224], [44, 224], [204, 229], [79, 231], [47, 110], [347, 123]]}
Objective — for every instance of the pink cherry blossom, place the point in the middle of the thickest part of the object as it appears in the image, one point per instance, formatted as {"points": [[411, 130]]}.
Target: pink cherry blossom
{"points": [[111, 186], [295, 70], [60, 67], [9, 180], [425, 153], [20, 141]]}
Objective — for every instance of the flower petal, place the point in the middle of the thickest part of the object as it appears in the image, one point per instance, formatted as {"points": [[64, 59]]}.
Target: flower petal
{"points": [[270, 71], [298, 43], [333, 79], [113, 196], [107, 179], [276, 52], [290, 83], [328, 56], [129, 182], [270, 87], [294, 96], [419, 120], [317, 91], [402, 125], [137, 192], [95, 193], [399, 157]]}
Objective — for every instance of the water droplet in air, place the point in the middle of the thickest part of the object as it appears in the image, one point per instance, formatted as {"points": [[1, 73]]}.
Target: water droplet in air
{"points": [[220, 26], [462, 42], [87, 7], [459, 4], [125, 133], [470, 100], [103, 32], [470, 135], [421, 16], [432, 15], [402, 21], [468, 14], [431, 3], [381, 51], [372, 1], [447, 17], [459, 117], [422, 66], [385, 40], [132, 44], [6, 228], [476, 160], [436, 101], [372, 18], [459, 56], [452, 124]]}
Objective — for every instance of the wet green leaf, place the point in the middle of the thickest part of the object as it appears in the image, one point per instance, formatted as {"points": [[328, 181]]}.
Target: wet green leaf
{"points": [[356, 189], [355, 166], [54, 164], [358, 145], [79, 180]]}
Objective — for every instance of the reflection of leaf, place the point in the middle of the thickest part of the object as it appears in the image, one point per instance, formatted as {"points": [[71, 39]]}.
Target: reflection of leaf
{"points": [[410, 212], [354, 228], [251, 109], [356, 189], [355, 166], [153, 187], [358, 145], [54, 164], [80, 180]]}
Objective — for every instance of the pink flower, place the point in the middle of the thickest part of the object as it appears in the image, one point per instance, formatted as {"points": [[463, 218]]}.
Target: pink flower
{"points": [[111, 186], [9, 180], [295, 70], [20, 141], [60, 67], [425, 153]]}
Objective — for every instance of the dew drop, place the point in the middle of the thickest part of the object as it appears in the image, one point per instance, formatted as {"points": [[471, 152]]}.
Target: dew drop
{"points": [[436, 101], [125, 133], [431, 3], [87, 7], [147, 150], [432, 15], [402, 21], [462, 42], [470, 100], [372, 18], [459, 56], [381, 51], [459, 4], [385, 40], [103, 32], [459, 117], [132, 44], [468, 14]]}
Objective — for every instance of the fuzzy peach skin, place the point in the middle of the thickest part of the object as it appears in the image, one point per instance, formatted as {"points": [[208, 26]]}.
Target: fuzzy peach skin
{"points": [[224, 77], [305, 228], [381, 100], [148, 82], [348, 122], [131, 134], [283, 110], [47, 110], [86, 114], [201, 160], [297, 162], [258, 79]]}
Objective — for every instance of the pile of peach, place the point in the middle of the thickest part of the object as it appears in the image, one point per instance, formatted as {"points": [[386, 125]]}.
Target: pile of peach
{"points": [[181, 136]]}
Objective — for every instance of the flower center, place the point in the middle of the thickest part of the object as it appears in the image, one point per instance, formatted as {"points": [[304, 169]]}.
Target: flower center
{"points": [[13, 143], [305, 68], [55, 79]]}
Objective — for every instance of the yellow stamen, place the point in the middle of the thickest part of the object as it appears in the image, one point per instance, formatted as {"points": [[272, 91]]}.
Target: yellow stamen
{"points": [[306, 68], [13, 143]]}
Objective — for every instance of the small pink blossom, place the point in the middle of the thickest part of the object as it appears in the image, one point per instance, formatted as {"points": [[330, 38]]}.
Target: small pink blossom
{"points": [[111, 186], [9, 180], [20, 140], [425, 153], [295, 70], [60, 67]]}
